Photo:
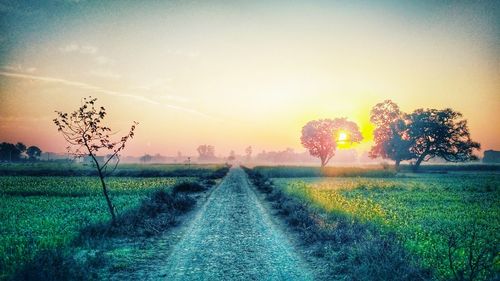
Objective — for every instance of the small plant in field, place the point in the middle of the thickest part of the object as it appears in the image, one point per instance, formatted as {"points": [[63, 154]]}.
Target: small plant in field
{"points": [[470, 254], [86, 135]]}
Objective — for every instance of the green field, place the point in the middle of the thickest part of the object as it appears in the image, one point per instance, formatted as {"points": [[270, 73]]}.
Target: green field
{"points": [[43, 212], [426, 211], [123, 170]]}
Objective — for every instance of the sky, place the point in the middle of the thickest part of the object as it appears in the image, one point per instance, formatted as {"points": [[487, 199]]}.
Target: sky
{"points": [[240, 73]]}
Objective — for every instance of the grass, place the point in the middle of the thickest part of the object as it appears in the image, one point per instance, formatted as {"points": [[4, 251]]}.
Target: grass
{"points": [[430, 214], [300, 172], [345, 248], [44, 213], [370, 171], [79, 186], [37, 220], [158, 212], [123, 170]]}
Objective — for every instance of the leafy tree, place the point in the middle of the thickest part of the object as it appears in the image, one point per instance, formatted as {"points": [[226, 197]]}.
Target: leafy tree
{"points": [[440, 133], [86, 135], [146, 158], [21, 147], [10, 152], [248, 153], [321, 136], [391, 135], [232, 156], [206, 152], [33, 152]]}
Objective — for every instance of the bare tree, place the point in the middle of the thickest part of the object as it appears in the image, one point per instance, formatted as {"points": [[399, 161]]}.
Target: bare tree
{"points": [[83, 131]]}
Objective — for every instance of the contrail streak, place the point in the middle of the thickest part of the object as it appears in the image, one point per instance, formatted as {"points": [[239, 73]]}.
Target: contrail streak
{"points": [[97, 89]]}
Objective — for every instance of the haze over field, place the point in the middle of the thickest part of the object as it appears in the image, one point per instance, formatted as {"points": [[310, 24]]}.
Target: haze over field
{"points": [[234, 74]]}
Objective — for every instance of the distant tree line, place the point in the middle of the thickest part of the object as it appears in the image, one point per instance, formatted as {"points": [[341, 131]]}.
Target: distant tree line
{"points": [[18, 152], [283, 156]]}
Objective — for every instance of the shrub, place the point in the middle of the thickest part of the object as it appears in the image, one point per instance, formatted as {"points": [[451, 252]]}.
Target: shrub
{"points": [[188, 186], [219, 173], [183, 202], [208, 182], [155, 214], [59, 264]]}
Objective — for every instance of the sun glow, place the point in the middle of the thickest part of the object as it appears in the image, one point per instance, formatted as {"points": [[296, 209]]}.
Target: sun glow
{"points": [[342, 137], [233, 77]]}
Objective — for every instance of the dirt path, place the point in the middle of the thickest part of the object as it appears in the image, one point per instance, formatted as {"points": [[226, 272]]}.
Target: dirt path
{"points": [[233, 238]]}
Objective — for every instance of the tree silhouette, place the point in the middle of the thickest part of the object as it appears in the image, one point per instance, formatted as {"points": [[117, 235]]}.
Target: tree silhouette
{"points": [[248, 153], [232, 156], [83, 131], [33, 152], [146, 158], [440, 133], [320, 137], [11, 152], [391, 135], [21, 147], [206, 152]]}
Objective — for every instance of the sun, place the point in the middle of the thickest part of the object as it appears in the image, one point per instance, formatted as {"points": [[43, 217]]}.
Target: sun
{"points": [[342, 140], [342, 137]]}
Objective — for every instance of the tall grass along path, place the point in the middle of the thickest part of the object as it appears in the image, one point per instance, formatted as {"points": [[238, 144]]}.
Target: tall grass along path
{"points": [[233, 238]]}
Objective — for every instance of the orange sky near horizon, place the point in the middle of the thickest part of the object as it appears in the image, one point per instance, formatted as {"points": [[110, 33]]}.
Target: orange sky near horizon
{"points": [[234, 75]]}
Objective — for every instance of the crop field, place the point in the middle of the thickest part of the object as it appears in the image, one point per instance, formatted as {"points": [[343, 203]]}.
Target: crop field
{"points": [[438, 217], [44, 212], [371, 171], [123, 170]]}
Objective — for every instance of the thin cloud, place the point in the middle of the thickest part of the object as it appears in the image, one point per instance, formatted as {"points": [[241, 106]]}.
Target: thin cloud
{"points": [[182, 53], [105, 74], [83, 49], [19, 68], [87, 49], [69, 48], [175, 98], [97, 89], [103, 60]]}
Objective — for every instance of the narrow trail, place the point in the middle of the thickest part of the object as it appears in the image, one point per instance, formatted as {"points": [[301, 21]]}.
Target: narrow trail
{"points": [[233, 238]]}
